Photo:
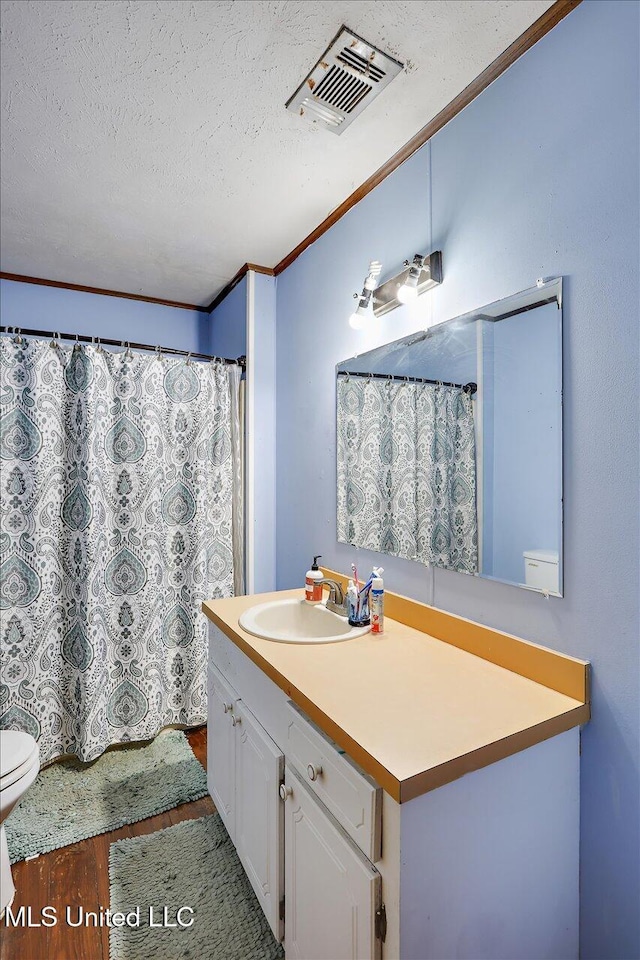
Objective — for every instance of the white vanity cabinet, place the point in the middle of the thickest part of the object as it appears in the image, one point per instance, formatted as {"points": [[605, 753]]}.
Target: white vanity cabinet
{"points": [[332, 892], [245, 770], [303, 835], [483, 865], [221, 747]]}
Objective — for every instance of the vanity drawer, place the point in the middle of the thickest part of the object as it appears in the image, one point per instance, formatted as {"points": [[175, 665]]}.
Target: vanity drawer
{"points": [[347, 792]]}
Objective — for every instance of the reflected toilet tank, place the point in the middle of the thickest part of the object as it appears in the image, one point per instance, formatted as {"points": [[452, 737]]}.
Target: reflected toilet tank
{"points": [[542, 570]]}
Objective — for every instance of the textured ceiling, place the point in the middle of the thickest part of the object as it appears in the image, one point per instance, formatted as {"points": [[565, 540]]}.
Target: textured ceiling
{"points": [[146, 148]]}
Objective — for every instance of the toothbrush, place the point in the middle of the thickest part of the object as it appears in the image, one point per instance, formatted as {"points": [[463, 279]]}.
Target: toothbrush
{"points": [[375, 572], [352, 600], [366, 587], [355, 576]]}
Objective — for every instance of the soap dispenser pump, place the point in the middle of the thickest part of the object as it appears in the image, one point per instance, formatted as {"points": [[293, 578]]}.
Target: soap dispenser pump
{"points": [[313, 582]]}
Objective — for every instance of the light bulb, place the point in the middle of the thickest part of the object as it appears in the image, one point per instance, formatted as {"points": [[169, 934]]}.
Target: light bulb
{"points": [[407, 293], [358, 319]]}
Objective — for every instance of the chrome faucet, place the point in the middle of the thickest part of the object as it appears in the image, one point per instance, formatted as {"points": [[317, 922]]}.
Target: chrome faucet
{"points": [[335, 603]]}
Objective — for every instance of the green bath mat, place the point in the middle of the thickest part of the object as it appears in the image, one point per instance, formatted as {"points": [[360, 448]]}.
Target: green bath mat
{"points": [[70, 800], [193, 864]]}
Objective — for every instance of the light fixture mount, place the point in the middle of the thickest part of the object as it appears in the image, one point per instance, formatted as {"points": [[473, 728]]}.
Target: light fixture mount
{"points": [[358, 319], [423, 272]]}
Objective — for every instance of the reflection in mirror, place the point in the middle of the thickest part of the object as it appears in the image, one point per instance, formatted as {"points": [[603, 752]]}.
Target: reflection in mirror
{"points": [[449, 443]]}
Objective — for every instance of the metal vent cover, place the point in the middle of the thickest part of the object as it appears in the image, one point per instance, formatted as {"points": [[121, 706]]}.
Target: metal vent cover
{"points": [[346, 78]]}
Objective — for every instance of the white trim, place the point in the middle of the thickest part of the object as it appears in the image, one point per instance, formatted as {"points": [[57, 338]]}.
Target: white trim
{"points": [[250, 419], [478, 415]]}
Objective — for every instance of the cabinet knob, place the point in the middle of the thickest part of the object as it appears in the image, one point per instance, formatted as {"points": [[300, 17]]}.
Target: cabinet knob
{"points": [[313, 772], [227, 707], [235, 720], [285, 791]]}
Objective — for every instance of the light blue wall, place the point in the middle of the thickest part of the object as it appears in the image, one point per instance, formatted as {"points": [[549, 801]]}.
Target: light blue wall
{"points": [[522, 452], [314, 300], [29, 305], [229, 324], [537, 177]]}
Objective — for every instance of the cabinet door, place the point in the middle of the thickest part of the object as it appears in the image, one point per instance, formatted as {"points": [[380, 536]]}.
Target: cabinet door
{"points": [[221, 747], [332, 891], [259, 814]]}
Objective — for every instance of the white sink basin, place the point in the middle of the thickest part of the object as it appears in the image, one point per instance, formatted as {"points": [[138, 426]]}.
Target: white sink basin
{"points": [[296, 621]]}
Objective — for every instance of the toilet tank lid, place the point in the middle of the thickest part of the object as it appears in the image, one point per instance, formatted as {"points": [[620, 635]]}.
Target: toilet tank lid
{"points": [[545, 556], [15, 749]]}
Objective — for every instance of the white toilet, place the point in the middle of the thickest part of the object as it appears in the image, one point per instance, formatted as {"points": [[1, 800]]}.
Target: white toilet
{"points": [[19, 765], [542, 570]]}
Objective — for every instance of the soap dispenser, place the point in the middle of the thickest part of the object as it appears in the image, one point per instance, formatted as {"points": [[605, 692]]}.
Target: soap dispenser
{"points": [[313, 582]]}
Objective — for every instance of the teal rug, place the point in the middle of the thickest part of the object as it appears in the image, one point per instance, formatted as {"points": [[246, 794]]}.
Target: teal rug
{"points": [[193, 864], [70, 800]]}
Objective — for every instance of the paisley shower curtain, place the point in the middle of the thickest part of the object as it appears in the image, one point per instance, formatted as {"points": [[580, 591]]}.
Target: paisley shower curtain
{"points": [[407, 471], [118, 518]]}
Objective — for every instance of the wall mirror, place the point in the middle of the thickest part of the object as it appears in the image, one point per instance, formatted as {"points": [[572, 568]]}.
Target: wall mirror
{"points": [[449, 443]]}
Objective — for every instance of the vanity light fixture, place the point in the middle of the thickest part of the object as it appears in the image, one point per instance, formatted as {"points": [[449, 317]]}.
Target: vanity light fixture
{"points": [[419, 275], [408, 292], [363, 312]]}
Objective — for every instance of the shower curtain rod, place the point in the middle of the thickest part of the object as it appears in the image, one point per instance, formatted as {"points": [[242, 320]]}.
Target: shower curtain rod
{"points": [[467, 387], [97, 341]]}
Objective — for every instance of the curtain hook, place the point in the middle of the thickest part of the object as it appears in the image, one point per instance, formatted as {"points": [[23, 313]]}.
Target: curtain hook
{"points": [[188, 361]]}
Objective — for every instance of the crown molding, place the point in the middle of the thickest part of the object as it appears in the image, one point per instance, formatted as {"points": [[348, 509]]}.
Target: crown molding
{"points": [[19, 278]]}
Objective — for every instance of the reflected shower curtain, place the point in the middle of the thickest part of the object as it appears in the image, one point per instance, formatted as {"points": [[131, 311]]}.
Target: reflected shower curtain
{"points": [[407, 471], [117, 521]]}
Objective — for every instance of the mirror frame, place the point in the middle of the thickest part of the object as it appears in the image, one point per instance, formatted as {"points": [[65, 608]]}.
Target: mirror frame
{"points": [[545, 291]]}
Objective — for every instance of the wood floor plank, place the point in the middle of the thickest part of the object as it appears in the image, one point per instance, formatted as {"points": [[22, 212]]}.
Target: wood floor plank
{"points": [[31, 879], [198, 741], [79, 874], [72, 886]]}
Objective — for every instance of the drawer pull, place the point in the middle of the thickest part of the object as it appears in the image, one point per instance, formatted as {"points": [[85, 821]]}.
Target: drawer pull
{"points": [[313, 772], [227, 707], [285, 792], [235, 720]]}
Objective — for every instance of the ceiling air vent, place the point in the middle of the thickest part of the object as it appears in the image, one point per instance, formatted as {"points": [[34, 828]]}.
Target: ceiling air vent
{"points": [[343, 82]]}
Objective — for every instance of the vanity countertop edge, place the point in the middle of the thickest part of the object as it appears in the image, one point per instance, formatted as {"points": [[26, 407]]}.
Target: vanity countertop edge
{"points": [[434, 697]]}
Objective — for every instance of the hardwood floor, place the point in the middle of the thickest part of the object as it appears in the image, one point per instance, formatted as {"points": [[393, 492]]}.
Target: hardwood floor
{"points": [[79, 875]]}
